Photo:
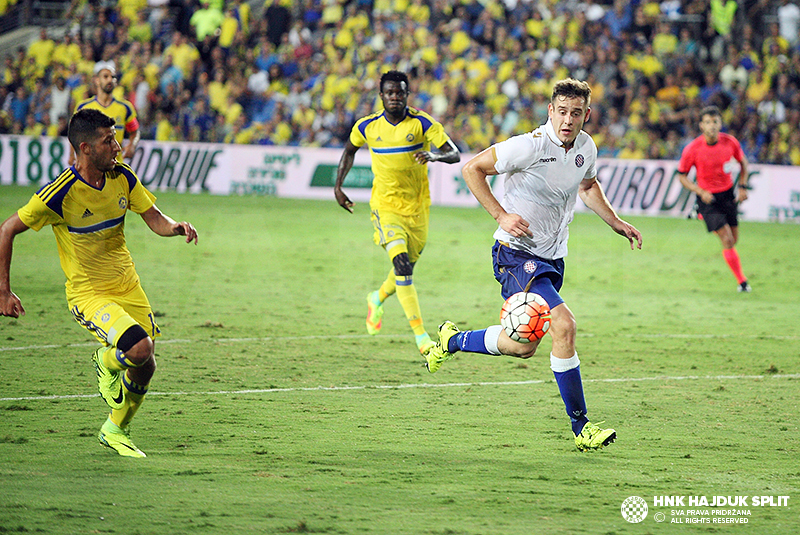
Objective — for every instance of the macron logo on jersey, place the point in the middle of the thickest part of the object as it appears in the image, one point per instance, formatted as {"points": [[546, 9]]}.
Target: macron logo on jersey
{"points": [[547, 160]]}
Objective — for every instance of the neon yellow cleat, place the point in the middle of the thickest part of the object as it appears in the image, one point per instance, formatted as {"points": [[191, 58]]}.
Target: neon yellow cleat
{"points": [[118, 439], [438, 353], [109, 383], [593, 437], [374, 313]]}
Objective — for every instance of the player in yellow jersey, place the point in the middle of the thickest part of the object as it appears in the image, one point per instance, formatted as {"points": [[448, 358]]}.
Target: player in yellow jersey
{"points": [[122, 111], [400, 140], [86, 206]]}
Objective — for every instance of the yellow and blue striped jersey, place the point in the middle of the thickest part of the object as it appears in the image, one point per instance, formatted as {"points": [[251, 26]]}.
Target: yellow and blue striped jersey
{"points": [[121, 111], [89, 227], [401, 183]]}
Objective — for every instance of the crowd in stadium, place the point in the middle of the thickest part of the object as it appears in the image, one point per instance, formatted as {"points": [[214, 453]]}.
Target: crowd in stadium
{"points": [[300, 73]]}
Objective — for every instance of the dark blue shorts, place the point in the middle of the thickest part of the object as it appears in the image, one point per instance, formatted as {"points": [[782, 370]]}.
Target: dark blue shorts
{"points": [[514, 270]]}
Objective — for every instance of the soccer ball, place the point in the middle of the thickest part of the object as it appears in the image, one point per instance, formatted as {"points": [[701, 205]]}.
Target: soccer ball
{"points": [[525, 317]]}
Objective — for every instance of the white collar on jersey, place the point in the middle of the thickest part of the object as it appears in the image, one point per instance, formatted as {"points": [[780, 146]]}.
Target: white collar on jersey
{"points": [[551, 133]]}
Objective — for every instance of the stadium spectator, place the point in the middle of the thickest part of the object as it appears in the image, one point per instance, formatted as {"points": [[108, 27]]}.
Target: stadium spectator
{"points": [[199, 122], [241, 10], [183, 54], [206, 20], [594, 12], [228, 29], [279, 20], [631, 151], [33, 128], [785, 90], [60, 100], [141, 94], [771, 110], [733, 75], [182, 11], [42, 50], [61, 128], [722, 16], [40, 101], [169, 75], [164, 129], [142, 29], [66, 53], [619, 18], [789, 21], [20, 105]]}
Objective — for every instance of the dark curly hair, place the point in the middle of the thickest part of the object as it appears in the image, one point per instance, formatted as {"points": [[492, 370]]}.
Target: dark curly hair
{"points": [[394, 76]]}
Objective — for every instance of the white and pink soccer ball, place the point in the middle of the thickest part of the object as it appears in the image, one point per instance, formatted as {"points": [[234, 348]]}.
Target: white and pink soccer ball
{"points": [[525, 316]]}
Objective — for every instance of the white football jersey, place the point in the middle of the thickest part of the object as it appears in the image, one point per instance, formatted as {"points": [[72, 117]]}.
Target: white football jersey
{"points": [[541, 185]]}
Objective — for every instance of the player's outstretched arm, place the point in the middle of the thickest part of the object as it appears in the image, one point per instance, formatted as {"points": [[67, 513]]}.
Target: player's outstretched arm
{"points": [[448, 153], [345, 164], [592, 195], [10, 305], [163, 225]]}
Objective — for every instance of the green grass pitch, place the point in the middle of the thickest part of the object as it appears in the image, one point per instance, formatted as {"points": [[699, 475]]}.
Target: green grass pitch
{"points": [[273, 411]]}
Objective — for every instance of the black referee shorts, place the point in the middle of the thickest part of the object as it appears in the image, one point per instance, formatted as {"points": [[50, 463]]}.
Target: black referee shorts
{"points": [[723, 210]]}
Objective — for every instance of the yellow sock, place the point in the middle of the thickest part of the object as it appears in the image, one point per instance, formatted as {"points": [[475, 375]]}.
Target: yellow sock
{"points": [[407, 295], [389, 287], [133, 398], [111, 362]]}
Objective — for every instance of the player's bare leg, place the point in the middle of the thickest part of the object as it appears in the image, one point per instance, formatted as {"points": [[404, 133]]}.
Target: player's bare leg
{"points": [[727, 236]]}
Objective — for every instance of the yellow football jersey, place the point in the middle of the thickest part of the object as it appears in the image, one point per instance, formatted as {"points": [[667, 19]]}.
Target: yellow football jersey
{"points": [[121, 111], [401, 183], [89, 227]]}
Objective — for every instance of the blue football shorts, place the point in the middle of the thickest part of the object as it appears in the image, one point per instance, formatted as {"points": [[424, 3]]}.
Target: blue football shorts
{"points": [[515, 270]]}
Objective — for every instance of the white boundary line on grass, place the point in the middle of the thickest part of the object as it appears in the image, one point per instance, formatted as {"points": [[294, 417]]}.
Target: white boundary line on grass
{"points": [[215, 340], [423, 385], [365, 336]]}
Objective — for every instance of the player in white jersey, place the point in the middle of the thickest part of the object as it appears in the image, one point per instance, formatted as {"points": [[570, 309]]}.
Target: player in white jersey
{"points": [[546, 170]]}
